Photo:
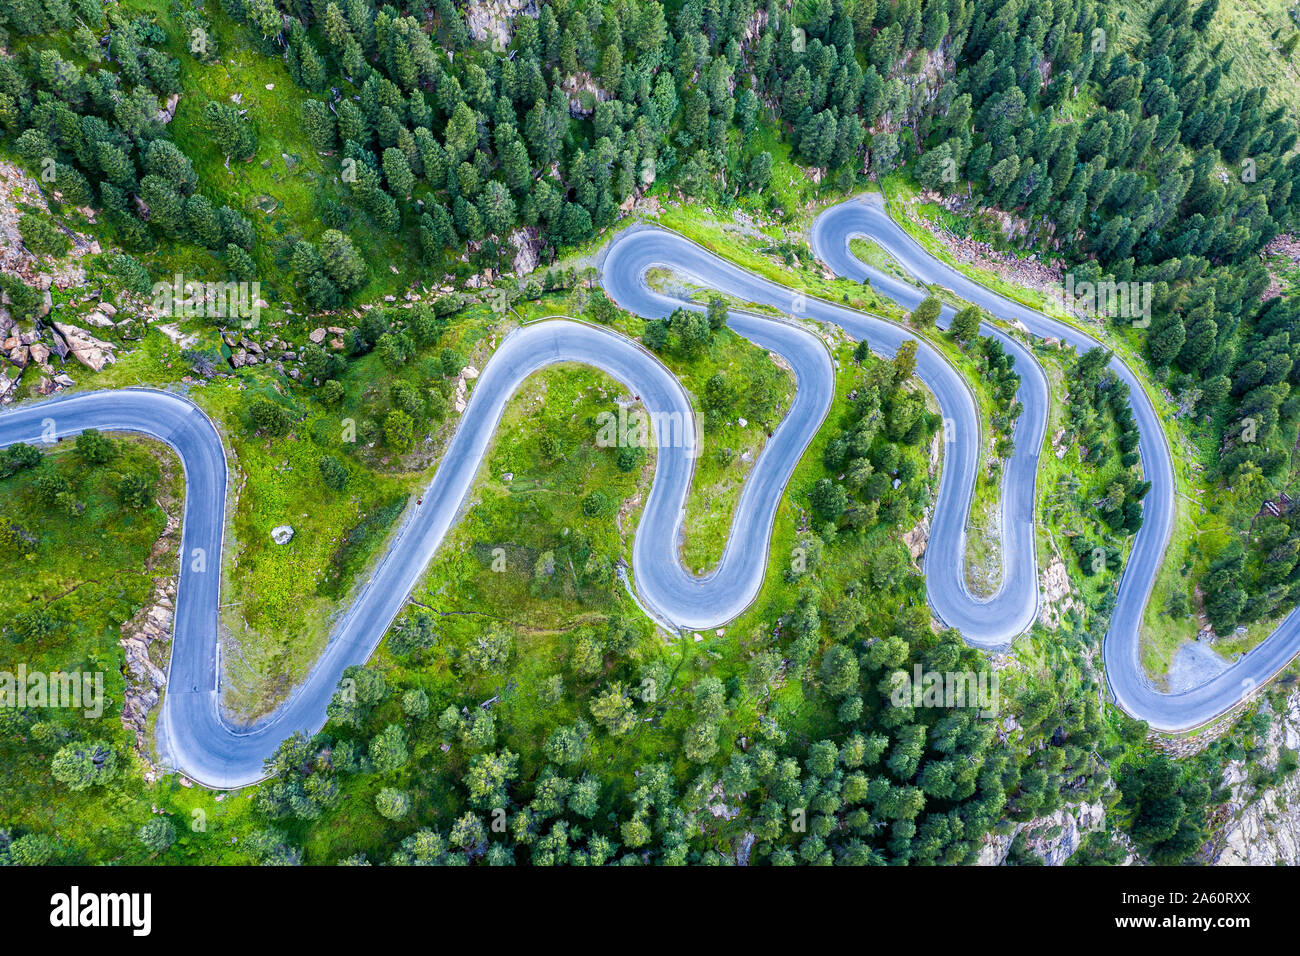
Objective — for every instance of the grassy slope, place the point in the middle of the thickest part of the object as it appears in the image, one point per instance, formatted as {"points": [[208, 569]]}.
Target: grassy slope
{"points": [[1252, 32], [92, 573]]}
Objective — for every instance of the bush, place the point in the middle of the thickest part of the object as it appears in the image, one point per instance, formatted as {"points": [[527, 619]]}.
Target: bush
{"points": [[135, 491], [19, 456], [628, 457], [49, 486], [130, 274], [331, 393], [333, 473], [399, 431], [34, 849], [393, 804], [655, 336], [41, 236], [95, 448], [158, 834], [596, 504], [16, 539], [269, 417], [80, 765], [451, 361], [415, 703]]}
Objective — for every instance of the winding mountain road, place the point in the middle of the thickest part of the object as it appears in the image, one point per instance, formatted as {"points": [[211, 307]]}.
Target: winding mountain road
{"points": [[1121, 651], [193, 735]]}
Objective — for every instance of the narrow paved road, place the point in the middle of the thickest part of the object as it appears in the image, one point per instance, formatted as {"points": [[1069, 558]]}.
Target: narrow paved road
{"points": [[991, 624], [1133, 690], [192, 733]]}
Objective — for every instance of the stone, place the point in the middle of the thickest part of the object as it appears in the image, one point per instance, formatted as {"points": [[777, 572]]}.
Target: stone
{"points": [[1052, 839], [317, 336], [918, 538], [85, 348], [281, 534]]}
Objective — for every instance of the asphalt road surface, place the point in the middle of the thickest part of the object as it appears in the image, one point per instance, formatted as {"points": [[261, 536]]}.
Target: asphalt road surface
{"points": [[1128, 681], [196, 738]]}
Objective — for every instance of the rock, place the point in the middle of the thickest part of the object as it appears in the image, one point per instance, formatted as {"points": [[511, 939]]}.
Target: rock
{"points": [[1056, 581], [918, 538], [317, 335], [469, 372], [527, 250], [151, 625], [1056, 594], [168, 110], [1052, 839], [173, 331], [40, 353], [97, 319], [281, 534], [85, 348], [1264, 829], [19, 356]]}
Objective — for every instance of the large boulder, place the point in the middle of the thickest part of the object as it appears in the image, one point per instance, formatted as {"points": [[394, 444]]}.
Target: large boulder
{"points": [[85, 348]]}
